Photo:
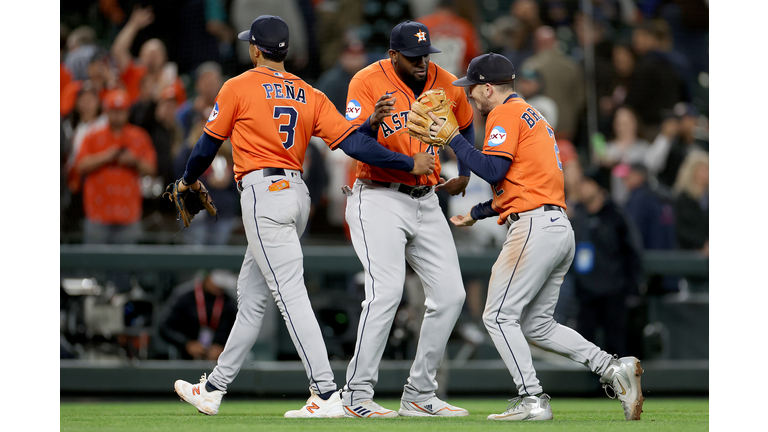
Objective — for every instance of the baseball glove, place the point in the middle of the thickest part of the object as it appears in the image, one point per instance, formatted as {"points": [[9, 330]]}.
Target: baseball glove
{"points": [[190, 202], [419, 121]]}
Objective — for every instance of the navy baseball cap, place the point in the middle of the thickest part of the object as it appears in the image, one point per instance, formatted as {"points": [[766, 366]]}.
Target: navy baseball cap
{"points": [[411, 39], [489, 68], [268, 32]]}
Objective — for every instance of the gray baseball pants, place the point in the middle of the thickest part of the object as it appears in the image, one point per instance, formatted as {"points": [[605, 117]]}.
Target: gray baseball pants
{"points": [[274, 267]]}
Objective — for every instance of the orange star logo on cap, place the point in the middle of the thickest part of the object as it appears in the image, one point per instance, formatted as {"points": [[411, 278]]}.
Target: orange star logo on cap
{"points": [[421, 35]]}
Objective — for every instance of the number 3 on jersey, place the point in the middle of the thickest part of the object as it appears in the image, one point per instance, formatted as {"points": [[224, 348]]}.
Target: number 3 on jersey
{"points": [[288, 129], [557, 150]]}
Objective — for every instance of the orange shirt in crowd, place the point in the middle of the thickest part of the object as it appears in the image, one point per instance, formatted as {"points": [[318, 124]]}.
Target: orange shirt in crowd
{"points": [[132, 76], [65, 79], [517, 131], [69, 96], [365, 89], [455, 37], [111, 193], [246, 104]]}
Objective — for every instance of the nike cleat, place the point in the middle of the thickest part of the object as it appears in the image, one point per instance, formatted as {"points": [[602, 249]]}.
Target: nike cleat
{"points": [[623, 379], [432, 407], [527, 408], [196, 395], [368, 409], [316, 407]]}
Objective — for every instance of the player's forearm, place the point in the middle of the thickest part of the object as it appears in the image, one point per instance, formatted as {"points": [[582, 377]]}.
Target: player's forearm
{"points": [[483, 210], [367, 150], [469, 134], [488, 167], [201, 158]]}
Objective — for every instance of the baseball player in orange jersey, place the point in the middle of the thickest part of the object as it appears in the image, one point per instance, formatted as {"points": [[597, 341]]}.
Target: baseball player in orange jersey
{"points": [[269, 116], [395, 217], [521, 161]]}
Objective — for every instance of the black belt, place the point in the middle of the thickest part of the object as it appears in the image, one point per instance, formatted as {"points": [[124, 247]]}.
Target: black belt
{"points": [[412, 191], [514, 217], [265, 172]]}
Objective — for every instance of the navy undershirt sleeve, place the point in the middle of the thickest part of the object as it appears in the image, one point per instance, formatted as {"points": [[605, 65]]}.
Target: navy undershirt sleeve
{"points": [[201, 157], [367, 150], [469, 134], [490, 168], [483, 210], [366, 129]]}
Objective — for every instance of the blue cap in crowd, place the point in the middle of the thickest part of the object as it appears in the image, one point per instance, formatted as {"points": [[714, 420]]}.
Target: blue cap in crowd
{"points": [[489, 68], [268, 33], [411, 39]]}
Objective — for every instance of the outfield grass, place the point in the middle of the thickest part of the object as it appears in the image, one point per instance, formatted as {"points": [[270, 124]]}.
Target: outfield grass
{"points": [[570, 415]]}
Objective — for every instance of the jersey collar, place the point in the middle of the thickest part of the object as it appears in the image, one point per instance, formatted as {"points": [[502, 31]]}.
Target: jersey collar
{"points": [[512, 96]]}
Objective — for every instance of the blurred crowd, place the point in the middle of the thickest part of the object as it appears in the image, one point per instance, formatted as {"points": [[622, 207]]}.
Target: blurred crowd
{"points": [[624, 83]]}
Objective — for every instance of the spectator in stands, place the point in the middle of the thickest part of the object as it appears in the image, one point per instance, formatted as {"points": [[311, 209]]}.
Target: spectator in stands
{"points": [[526, 19], [200, 315], [101, 76], [112, 159], [81, 47], [218, 179], [623, 61], [204, 25], [625, 149], [655, 87], [672, 145], [454, 36], [530, 86], [153, 71], [335, 81], [607, 263], [650, 209], [167, 136], [208, 82], [563, 78], [84, 119], [692, 202]]}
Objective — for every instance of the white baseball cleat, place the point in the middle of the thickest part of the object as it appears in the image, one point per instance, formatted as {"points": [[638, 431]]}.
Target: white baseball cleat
{"points": [[368, 409], [316, 407], [432, 407], [527, 408], [623, 378], [196, 395]]}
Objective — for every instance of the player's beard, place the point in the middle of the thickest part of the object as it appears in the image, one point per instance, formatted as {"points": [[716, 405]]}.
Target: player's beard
{"points": [[484, 107]]}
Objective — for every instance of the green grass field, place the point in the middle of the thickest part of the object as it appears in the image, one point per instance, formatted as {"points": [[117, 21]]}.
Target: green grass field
{"points": [[570, 415]]}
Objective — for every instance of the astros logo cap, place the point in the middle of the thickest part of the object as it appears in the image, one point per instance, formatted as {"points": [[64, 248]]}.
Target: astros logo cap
{"points": [[268, 33], [411, 39], [488, 68]]}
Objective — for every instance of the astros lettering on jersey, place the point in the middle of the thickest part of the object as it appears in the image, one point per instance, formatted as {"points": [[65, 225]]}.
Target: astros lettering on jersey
{"points": [[365, 89], [296, 108], [517, 131]]}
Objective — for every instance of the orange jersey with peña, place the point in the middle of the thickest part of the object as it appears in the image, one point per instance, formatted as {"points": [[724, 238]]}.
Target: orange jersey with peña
{"points": [[269, 117], [517, 131], [365, 89]]}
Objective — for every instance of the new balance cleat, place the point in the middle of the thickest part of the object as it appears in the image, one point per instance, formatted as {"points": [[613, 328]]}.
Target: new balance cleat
{"points": [[316, 407], [527, 408], [432, 407], [196, 395], [368, 409], [623, 380]]}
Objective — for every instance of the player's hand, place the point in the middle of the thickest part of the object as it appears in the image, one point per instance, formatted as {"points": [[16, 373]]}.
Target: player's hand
{"points": [[670, 127], [423, 164], [463, 221], [438, 122], [381, 110], [454, 186], [127, 159], [195, 349], [194, 186]]}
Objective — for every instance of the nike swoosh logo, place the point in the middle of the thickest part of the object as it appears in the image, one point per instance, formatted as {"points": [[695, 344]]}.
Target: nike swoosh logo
{"points": [[391, 93], [275, 181], [623, 392], [553, 219]]}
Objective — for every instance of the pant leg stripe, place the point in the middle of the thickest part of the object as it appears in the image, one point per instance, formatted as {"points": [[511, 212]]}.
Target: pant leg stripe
{"points": [[285, 307], [530, 228], [373, 290]]}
